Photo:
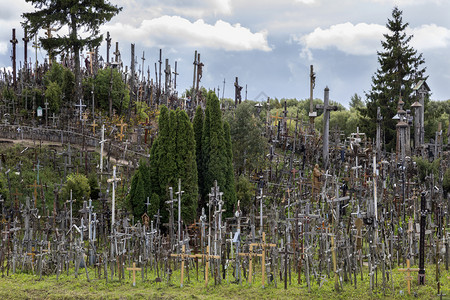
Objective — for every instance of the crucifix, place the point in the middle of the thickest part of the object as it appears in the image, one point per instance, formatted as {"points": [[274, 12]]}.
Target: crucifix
{"points": [[143, 59], [91, 63], [312, 113], [237, 92], [195, 76], [14, 41], [117, 53]]}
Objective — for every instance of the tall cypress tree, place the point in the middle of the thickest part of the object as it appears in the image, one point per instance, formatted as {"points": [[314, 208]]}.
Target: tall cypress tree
{"points": [[230, 183], [198, 129], [400, 69], [187, 166]]}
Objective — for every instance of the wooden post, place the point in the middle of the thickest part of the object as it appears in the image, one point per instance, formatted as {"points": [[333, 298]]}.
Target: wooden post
{"points": [[134, 269], [408, 276]]}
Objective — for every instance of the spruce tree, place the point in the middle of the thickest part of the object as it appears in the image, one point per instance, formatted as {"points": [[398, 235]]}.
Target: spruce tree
{"points": [[400, 69]]}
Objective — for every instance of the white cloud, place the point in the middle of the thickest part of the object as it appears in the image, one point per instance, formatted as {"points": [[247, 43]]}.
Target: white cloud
{"points": [[365, 39], [306, 1], [359, 39], [407, 2], [3, 48], [429, 37], [175, 31]]}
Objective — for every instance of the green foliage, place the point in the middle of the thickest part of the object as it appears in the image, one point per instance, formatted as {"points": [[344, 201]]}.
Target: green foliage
{"points": [[84, 17], [446, 181], [198, 131], [245, 191], [3, 186], [356, 102], [68, 85], [425, 168], [53, 95], [400, 69], [54, 74], [93, 185], [108, 85], [172, 157], [247, 139], [216, 153], [79, 185]]}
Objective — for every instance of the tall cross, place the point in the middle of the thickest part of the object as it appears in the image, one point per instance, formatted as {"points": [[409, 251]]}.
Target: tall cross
{"points": [[117, 52], [108, 46], [49, 36], [101, 148], [143, 59], [25, 40], [36, 46], [179, 193], [312, 113], [113, 180], [14, 41], [175, 77], [326, 124]]}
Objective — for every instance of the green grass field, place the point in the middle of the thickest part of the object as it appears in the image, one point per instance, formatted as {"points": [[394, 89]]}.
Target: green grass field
{"points": [[28, 286]]}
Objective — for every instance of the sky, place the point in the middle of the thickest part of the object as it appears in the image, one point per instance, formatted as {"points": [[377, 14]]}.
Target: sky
{"points": [[269, 45]]}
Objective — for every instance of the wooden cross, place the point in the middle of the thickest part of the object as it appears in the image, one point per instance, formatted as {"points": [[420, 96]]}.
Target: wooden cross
{"points": [[93, 125], [91, 55], [207, 257], [134, 269], [32, 254], [122, 125], [263, 245], [120, 135], [408, 276], [250, 255], [183, 257], [358, 224], [147, 127], [16, 200], [35, 186]]}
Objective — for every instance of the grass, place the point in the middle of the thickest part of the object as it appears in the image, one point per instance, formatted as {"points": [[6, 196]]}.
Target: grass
{"points": [[28, 286]]}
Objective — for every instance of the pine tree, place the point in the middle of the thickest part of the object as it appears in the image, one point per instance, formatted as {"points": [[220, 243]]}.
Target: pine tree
{"points": [[400, 69], [79, 16]]}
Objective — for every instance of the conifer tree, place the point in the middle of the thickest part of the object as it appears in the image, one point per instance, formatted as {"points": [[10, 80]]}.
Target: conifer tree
{"points": [[400, 69], [230, 183], [187, 166], [198, 129]]}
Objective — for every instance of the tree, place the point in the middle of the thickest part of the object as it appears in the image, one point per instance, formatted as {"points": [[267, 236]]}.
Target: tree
{"points": [[79, 16], [108, 85], [247, 140], [400, 69], [79, 185], [356, 101], [216, 152], [198, 130]]}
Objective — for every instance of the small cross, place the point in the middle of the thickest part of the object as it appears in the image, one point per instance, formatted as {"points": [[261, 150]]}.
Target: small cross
{"points": [[134, 269], [408, 276]]}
